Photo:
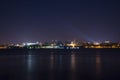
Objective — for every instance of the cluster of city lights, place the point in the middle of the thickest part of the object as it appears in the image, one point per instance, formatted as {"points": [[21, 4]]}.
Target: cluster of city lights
{"points": [[62, 45]]}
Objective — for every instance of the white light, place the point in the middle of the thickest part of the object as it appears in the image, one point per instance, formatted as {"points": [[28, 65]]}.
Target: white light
{"points": [[107, 41], [96, 43], [28, 44], [72, 44], [23, 44]]}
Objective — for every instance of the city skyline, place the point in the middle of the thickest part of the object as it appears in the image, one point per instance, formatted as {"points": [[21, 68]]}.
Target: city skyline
{"points": [[34, 20]]}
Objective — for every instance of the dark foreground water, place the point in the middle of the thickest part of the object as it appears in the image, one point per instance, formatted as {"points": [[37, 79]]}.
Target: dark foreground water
{"points": [[60, 65]]}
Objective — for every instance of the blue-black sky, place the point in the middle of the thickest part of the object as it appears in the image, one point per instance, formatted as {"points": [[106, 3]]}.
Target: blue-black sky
{"points": [[43, 20]]}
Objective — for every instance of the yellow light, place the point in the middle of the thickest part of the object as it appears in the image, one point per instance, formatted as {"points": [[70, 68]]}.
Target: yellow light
{"points": [[114, 46], [73, 45], [98, 47]]}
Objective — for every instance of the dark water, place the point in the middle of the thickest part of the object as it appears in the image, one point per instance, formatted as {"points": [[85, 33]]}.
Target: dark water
{"points": [[73, 65]]}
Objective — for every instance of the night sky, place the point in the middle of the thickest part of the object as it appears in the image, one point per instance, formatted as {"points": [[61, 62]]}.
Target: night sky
{"points": [[44, 20]]}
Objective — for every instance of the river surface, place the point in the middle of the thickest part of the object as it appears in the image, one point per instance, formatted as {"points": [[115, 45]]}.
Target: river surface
{"points": [[72, 65]]}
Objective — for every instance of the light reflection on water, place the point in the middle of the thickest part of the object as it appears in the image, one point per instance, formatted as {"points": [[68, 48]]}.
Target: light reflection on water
{"points": [[52, 61], [98, 65], [73, 62], [73, 67], [60, 66], [29, 62], [29, 65]]}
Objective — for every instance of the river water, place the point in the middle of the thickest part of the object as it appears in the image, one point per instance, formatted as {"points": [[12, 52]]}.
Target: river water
{"points": [[39, 65]]}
